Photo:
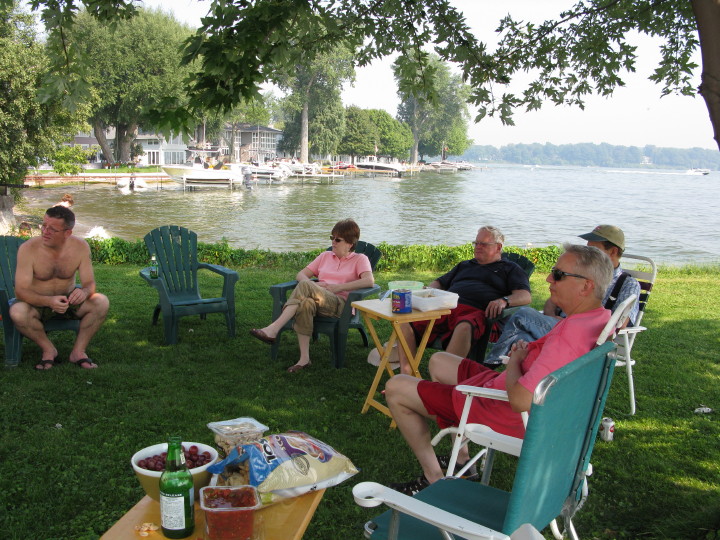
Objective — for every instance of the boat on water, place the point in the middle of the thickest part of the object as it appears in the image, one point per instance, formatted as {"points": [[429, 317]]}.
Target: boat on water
{"points": [[227, 176], [698, 172], [441, 166], [394, 169]]}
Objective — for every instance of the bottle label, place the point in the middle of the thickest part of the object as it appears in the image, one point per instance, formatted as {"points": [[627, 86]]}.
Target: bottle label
{"points": [[172, 510]]}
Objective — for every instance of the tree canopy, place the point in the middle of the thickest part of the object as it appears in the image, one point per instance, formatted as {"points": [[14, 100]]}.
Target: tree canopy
{"points": [[132, 67], [584, 50], [29, 131]]}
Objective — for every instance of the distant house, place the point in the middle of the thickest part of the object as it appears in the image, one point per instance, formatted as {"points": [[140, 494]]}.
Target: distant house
{"points": [[160, 151], [251, 142]]}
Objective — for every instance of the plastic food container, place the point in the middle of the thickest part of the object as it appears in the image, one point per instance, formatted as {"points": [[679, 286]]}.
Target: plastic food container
{"points": [[229, 511], [411, 285], [429, 299]]}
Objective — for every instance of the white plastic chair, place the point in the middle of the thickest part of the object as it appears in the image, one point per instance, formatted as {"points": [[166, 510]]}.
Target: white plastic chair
{"points": [[626, 337], [491, 440]]}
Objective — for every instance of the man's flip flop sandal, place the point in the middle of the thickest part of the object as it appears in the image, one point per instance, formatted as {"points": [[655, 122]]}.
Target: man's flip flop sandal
{"points": [[84, 361], [45, 364]]}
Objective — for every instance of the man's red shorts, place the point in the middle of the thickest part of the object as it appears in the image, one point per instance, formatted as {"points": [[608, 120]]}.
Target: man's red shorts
{"points": [[437, 397], [445, 325]]}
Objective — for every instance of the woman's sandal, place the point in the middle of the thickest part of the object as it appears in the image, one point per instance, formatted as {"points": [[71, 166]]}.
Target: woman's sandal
{"points": [[298, 367]]}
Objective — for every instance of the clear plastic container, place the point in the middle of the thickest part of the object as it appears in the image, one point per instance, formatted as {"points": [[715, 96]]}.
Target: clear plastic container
{"points": [[430, 299], [223, 520], [411, 285]]}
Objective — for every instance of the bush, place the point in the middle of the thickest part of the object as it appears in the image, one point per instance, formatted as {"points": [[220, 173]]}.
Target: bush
{"points": [[395, 258]]}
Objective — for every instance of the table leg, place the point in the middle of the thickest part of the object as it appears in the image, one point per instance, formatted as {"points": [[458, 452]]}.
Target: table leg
{"points": [[384, 365]]}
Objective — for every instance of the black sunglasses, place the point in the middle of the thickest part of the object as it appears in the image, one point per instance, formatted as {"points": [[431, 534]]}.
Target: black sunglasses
{"points": [[336, 239], [558, 275]]}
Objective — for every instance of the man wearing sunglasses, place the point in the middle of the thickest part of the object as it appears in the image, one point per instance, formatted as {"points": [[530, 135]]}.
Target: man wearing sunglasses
{"points": [[577, 285], [486, 285], [528, 324]]}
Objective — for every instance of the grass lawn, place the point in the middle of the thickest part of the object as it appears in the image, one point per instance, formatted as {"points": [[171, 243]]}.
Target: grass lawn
{"points": [[67, 434]]}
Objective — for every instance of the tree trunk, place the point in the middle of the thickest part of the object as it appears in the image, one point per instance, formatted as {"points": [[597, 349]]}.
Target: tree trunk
{"points": [[304, 153], [7, 217], [99, 129], [707, 15], [126, 136]]}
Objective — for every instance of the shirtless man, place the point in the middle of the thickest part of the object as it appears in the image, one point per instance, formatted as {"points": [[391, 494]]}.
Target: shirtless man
{"points": [[45, 287]]}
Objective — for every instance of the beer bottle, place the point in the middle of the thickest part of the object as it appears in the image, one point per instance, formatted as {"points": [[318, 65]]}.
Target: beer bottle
{"points": [[177, 496], [153, 267]]}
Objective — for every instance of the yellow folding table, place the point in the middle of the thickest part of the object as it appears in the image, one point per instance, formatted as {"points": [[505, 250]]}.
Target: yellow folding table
{"points": [[373, 310]]}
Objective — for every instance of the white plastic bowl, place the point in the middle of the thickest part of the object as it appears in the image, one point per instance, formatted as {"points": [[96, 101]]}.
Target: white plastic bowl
{"points": [[150, 480]]}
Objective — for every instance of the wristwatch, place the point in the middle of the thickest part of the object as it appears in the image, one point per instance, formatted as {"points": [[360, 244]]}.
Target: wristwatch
{"points": [[507, 301]]}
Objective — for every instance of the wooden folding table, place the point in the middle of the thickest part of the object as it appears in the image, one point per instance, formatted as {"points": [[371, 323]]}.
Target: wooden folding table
{"points": [[283, 520], [373, 310]]}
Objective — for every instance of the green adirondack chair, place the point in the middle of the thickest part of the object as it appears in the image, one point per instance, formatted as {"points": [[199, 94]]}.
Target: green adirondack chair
{"points": [[13, 339], [564, 418], [336, 329], [179, 294]]}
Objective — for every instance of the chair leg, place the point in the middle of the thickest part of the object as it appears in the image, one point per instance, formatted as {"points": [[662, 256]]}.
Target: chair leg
{"points": [[631, 383], [13, 348], [230, 322], [156, 315], [487, 469], [366, 343], [170, 325]]}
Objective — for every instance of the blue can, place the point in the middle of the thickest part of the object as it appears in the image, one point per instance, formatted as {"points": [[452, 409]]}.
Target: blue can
{"points": [[402, 301]]}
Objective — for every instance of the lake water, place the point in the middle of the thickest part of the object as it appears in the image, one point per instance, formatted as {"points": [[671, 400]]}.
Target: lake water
{"points": [[667, 215]]}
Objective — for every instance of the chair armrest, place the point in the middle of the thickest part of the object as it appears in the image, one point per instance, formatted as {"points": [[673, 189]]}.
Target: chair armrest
{"points": [[280, 290], [158, 283], [230, 277], [354, 296], [222, 270], [479, 391], [631, 330], [371, 494]]}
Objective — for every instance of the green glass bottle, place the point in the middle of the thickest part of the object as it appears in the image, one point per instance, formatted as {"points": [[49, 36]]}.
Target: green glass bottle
{"points": [[177, 496]]}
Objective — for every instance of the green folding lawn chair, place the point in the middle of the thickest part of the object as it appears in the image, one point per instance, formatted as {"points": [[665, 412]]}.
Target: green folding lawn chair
{"points": [[561, 432]]}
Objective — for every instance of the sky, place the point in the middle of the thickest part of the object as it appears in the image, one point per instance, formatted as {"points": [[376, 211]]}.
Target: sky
{"points": [[635, 115]]}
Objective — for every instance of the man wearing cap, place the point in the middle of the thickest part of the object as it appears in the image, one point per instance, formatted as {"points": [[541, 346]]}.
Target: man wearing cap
{"points": [[529, 325]]}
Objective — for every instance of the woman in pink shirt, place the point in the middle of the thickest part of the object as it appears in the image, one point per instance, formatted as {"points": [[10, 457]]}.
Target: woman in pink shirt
{"points": [[337, 271]]}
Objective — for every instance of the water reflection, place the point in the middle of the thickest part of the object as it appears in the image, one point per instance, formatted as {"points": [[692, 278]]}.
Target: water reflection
{"points": [[666, 215]]}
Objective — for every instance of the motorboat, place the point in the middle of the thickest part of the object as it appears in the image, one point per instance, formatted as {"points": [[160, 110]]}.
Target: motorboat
{"points": [[395, 169], [698, 172], [197, 175]]}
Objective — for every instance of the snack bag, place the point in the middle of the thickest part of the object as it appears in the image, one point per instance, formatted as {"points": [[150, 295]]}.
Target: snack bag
{"points": [[289, 464]]}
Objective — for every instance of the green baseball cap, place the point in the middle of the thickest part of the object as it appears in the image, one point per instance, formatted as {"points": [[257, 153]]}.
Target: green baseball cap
{"points": [[609, 233]]}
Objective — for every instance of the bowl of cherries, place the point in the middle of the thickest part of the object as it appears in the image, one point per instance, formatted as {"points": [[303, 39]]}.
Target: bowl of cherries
{"points": [[149, 463]]}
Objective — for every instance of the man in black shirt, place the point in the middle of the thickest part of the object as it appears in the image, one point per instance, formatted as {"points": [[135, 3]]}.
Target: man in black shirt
{"points": [[486, 285]]}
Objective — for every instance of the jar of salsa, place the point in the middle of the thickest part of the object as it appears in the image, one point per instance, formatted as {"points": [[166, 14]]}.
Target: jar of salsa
{"points": [[229, 511]]}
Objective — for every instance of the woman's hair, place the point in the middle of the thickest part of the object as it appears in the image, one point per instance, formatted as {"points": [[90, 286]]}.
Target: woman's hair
{"points": [[68, 198], [594, 264], [348, 230]]}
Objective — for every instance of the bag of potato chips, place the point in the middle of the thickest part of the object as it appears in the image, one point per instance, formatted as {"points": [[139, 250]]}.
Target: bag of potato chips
{"points": [[289, 464]]}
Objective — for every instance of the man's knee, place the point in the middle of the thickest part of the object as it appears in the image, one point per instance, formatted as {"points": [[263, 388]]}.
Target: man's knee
{"points": [[97, 306], [398, 386], [20, 312]]}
